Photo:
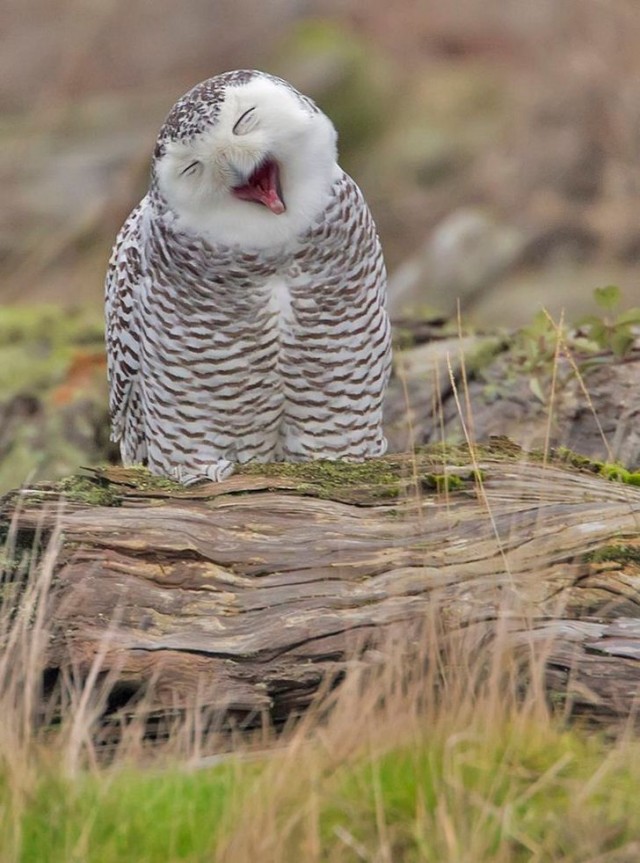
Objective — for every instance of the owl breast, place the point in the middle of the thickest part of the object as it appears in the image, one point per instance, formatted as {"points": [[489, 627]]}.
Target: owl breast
{"points": [[211, 356], [224, 356]]}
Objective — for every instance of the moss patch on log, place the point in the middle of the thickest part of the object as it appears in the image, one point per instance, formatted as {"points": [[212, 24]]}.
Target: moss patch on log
{"points": [[618, 553], [89, 490], [440, 468], [609, 470], [382, 477], [108, 485]]}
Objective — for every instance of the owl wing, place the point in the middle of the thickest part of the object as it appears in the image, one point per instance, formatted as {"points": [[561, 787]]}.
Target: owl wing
{"points": [[124, 278]]}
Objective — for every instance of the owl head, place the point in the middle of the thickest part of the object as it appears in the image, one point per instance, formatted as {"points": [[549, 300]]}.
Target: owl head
{"points": [[244, 158]]}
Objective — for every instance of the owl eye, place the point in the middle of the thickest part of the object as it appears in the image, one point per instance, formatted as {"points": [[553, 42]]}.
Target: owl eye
{"points": [[190, 169], [246, 122]]}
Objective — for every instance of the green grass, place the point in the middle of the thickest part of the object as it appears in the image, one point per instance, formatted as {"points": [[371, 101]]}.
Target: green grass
{"points": [[519, 798], [132, 815], [520, 792]]}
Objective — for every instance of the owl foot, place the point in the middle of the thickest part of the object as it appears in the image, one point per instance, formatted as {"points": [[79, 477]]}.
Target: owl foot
{"points": [[214, 472]]}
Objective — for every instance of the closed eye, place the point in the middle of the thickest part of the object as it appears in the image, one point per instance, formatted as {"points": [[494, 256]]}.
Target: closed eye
{"points": [[190, 169], [245, 122]]}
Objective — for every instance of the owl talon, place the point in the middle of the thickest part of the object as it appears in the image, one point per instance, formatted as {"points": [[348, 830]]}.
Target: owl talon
{"points": [[217, 471], [220, 470], [179, 474]]}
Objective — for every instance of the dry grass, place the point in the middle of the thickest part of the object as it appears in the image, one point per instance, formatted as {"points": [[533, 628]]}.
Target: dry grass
{"points": [[437, 751]]}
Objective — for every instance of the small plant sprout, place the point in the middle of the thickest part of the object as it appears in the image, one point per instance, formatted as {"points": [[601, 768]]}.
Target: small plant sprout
{"points": [[615, 331]]}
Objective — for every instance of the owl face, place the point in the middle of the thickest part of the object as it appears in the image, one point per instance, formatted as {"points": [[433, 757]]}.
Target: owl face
{"points": [[257, 173]]}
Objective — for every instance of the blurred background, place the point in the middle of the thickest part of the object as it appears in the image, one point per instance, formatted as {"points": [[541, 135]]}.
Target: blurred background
{"points": [[497, 142]]}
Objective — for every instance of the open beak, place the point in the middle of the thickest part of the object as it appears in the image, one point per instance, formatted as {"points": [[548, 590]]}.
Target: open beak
{"points": [[263, 187]]}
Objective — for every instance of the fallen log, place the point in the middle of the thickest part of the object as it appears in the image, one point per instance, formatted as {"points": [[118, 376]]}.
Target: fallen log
{"points": [[245, 596]]}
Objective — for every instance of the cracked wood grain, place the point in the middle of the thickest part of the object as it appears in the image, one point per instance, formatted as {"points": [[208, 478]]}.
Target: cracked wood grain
{"points": [[246, 595]]}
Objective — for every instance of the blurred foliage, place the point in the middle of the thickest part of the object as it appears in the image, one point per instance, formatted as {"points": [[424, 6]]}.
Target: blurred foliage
{"points": [[351, 80], [53, 393], [614, 330], [37, 344]]}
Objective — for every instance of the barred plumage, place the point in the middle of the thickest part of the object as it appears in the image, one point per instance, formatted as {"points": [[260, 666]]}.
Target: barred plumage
{"points": [[245, 295]]}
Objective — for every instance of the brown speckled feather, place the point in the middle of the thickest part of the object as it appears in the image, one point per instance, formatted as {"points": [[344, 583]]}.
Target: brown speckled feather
{"points": [[223, 353]]}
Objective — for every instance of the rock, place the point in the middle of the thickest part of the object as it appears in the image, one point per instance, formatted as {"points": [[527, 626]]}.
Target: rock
{"points": [[467, 253], [516, 386]]}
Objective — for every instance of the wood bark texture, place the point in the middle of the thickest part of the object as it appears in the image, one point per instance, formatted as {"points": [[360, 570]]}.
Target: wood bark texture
{"points": [[246, 595]]}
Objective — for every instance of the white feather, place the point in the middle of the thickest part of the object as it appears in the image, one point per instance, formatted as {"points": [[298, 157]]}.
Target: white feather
{"points": [[303, 144]]}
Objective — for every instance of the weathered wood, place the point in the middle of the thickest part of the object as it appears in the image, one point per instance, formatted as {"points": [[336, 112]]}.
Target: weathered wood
{"points": [[245, 595]]}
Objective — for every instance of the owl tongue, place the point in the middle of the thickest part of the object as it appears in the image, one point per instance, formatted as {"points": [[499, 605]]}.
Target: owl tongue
{"points": [[263, 187]]}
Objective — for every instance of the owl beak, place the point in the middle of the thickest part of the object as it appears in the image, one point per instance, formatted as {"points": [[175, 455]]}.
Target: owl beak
{"points": [[263, 187]]}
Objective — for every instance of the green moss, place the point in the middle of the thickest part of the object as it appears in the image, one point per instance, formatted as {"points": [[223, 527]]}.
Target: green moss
{"points": [[382, 478], [617, 473], [618, 553], [442, 483], [436, 467], [377, 479], [84, 489], [108, 485], [567, 456], [138, 477], [611, 471]]}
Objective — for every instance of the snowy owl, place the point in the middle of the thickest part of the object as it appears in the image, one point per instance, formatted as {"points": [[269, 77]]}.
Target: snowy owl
{"points": [[246, 293]]}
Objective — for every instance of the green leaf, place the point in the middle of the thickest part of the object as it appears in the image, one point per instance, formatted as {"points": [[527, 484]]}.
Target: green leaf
{"points": [[621, 341], [588, 321], [631, 316], [585, 344], [539, 326], [599, 333], [536, 389], [607, 298]]}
